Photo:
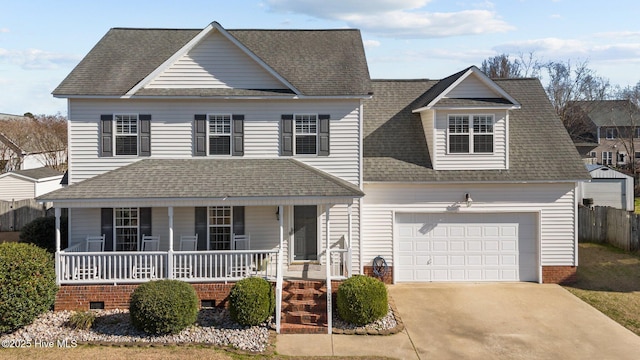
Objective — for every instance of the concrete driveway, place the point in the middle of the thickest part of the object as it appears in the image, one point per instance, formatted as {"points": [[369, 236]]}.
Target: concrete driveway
{"points": [[507, 321]]}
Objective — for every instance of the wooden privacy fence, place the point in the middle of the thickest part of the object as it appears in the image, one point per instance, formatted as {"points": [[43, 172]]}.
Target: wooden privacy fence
{"points": [[16, 214], [603, 224]]}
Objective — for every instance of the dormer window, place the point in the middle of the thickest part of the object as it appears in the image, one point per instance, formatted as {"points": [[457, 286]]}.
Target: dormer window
{"points": [[612, 133], [470, 134]]}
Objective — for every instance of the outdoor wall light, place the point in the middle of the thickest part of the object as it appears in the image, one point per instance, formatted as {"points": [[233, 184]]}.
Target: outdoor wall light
{"points": [[278, 213], [468, 199]]}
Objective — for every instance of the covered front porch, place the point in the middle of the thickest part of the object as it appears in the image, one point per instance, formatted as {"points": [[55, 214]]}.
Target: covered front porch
{"points": [[209, 222]]}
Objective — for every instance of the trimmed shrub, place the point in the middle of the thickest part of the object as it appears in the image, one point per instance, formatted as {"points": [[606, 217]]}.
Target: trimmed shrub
{"points": [[42, 232], [163, 307], [362, 300], [251, 301], [27, 283]]}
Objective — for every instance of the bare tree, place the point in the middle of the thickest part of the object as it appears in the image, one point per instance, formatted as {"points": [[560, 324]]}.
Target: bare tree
{"points": [[569, 83], [501, 66], [50, 133]]}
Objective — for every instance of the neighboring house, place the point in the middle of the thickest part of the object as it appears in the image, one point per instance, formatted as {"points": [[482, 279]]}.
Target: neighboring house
{"points": [[19, 148], [614, 125], [276, 149], [28, 184], [607, 187]]}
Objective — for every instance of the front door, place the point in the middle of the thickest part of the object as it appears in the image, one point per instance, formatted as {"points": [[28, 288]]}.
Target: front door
{"points": [[305, 233]]}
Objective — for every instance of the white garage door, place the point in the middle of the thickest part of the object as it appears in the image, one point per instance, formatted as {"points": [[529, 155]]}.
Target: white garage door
{"points": [[467, 247]]}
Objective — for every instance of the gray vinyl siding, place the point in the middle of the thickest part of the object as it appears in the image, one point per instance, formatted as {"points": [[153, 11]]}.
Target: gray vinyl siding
{"points": [[83, 223], [172, 131], [471, 87], [495, 161], [555, 202], [262, 227], [216, 63], [427, 118], [338, 216], [16, 188]]}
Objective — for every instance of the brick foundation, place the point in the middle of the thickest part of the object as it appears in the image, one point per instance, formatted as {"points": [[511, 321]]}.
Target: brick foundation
{"points": [[559, 274], [387, 278], [78, 297]]}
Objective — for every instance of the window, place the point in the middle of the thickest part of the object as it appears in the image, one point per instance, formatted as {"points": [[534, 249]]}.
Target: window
{"points": [[126, 229], [607, 157], [220, 228], [611, 133], [306, 134], [593, 154], [126, 134], [621, 157], [475, 139], [637, 155], [219, 134], [638, 133]]}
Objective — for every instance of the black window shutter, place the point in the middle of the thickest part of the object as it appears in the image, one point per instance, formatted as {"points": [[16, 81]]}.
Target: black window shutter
{"points": [[201, 227], [145, 135], [238, 220], [238, 135], [106, 227], [145, 222], [106, 135], [200, 135], [323, 135], [286, 135]]}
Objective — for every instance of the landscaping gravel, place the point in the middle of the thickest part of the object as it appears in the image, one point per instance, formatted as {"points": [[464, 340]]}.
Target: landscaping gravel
{"points": [[213, 327]]}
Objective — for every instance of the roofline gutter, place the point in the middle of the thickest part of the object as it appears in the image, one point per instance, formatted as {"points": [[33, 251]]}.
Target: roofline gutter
{"points": [[212, 201], [220, 97], [501, 107], [443, 182]]}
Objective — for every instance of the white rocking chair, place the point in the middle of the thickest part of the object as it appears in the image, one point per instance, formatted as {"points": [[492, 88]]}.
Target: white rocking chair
{"points": [[89, 267], [145, 270]]}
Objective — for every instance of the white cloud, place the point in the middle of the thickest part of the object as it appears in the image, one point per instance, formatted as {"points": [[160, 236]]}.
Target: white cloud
{"points": [[619, 35], [555, 16], [4, 30], [398, 18], [35, 59], [368, 44]]}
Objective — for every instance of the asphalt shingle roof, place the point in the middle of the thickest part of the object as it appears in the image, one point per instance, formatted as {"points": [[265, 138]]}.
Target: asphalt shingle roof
{"points": [[208, 178], [610, 112], [38, 173], [316, 62], [395, 148]]}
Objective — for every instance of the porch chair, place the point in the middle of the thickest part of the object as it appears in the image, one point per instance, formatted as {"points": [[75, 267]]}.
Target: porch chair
{"points": [[89, 268], [185, 269], [241, 242], [145, 270]]}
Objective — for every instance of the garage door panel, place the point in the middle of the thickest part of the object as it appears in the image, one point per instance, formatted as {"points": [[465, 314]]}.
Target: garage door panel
{"points": [[467, 247]]}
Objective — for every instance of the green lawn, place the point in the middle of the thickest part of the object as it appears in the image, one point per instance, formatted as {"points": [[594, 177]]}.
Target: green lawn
{"points": [[609, 280]]}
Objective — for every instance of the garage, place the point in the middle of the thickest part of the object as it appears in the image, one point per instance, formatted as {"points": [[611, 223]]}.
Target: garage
{"points": [[466, 247]]}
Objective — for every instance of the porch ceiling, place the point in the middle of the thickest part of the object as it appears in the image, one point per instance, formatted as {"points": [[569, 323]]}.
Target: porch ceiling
{"points": [[230, 180]]}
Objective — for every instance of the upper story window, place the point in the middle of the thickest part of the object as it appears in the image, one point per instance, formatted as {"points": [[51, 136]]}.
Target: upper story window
{"points": [[612, 133], [470, 134], [219, 134], [125, 135], [637, 133], [306, 134]]}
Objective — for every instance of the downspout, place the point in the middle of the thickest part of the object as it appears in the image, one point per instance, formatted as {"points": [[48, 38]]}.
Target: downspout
{"points": [[328, 269], [58, 213]]}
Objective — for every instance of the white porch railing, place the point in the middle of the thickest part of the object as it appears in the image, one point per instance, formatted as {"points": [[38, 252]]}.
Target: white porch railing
{"points": [[76, 267], [340, 263]]}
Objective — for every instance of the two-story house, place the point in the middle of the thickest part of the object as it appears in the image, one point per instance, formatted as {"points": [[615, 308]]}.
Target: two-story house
{"points": [[210, 155], [614, 125]]}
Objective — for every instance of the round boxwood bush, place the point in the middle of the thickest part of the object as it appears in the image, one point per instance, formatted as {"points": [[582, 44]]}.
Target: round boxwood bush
{"points": [[27, 283], [251, 301], [163, 307], [362, 300], [42, 232]]}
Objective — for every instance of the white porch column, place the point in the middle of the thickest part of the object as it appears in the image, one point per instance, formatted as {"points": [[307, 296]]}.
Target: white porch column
{"points": [[349, 252], [328, 268], [279, 270], [170, 253], [58, 213]]}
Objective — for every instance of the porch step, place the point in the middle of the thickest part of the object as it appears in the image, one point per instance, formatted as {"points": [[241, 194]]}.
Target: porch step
{"points": [[303, 329], [304, 308]]}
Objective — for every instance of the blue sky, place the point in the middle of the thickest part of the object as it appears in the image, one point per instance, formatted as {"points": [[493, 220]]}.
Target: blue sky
{"points": [[41, 41]]}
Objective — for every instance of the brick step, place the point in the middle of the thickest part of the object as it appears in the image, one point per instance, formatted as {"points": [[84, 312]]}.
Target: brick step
{"points": [[303, 297], [310, 307], [304, 317], [303, 329]]}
